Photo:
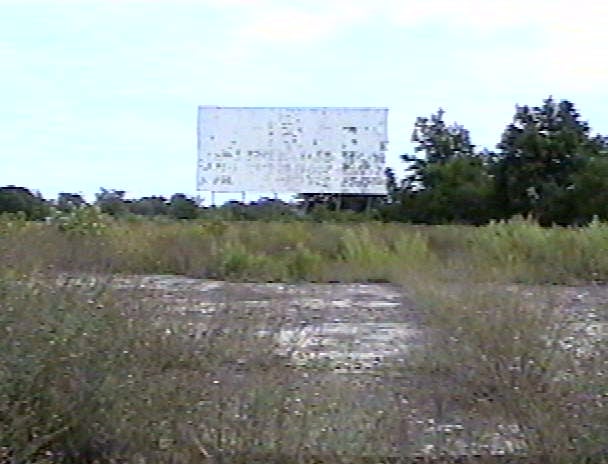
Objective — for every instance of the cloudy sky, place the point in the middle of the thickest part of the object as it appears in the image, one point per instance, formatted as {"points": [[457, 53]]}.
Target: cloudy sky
{"points": [[104, 93]]}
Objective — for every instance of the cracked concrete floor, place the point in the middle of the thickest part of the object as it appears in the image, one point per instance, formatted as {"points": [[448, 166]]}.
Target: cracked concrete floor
{"points": [[352, 328]]}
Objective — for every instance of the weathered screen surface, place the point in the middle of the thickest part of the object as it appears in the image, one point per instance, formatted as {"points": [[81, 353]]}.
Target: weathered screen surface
{"points": [[303, 150]]}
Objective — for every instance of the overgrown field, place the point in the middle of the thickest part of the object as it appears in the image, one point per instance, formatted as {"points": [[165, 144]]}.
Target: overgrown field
{"points": [[518, 251], [91, 373]]}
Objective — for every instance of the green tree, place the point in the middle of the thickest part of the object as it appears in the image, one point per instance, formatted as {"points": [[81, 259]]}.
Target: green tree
{"points": [[69, 201], [15, 199], [111, 201], [447, 180], [392, 186], [458, 190], [149, 206], [587, 197], [439, 142], [435, 143], [540, 152], [182, 207]]}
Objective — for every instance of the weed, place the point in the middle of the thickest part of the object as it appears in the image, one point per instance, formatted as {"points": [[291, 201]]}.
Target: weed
{"points": [[89, 372]]}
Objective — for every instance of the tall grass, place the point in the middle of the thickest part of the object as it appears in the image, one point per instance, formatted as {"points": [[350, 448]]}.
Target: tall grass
{"points": [[522, 251], [496, 354], [237, 251], [515, 251], [90, 373]]}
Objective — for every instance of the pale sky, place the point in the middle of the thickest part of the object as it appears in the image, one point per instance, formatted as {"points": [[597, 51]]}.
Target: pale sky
{"points": [[104, 93]]}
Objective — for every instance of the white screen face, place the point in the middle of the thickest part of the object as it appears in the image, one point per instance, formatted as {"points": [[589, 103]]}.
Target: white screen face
{"points": [[301, 150]]}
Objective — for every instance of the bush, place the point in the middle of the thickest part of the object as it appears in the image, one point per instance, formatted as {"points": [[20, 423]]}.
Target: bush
{"points": [[81, 220]]}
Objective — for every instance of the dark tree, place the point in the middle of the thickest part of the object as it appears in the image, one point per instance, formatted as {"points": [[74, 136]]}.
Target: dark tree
{"points": [[540, 152], [69, 201], [439, 142], [111, 201], [446, 181], [149, 206], [588, 195], [392, 186], [182, 207], [19, 199]]}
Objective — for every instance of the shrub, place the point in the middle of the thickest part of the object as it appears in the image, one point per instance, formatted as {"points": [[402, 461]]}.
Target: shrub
{"points": [[81, 220]]}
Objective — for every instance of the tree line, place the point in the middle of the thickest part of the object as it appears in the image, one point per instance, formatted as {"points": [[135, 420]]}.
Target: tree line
{"points": [[33, 206], [547, 165]]}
